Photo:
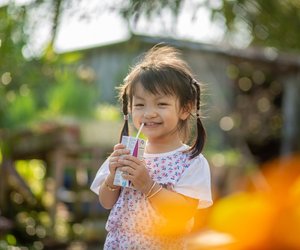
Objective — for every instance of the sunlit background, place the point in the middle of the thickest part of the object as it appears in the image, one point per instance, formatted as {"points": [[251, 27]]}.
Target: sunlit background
{"points": [[60, 61]]}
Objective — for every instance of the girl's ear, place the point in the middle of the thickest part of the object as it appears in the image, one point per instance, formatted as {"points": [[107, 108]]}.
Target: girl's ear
{"points": [[185, 112]]}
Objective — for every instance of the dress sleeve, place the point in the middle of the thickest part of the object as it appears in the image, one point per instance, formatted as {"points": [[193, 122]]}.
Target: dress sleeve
{"points": [[195, 182], [102, 172]]}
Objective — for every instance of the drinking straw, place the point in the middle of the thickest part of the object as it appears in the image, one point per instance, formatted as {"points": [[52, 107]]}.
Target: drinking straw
{"points": [[137, 135], [140, 129]]}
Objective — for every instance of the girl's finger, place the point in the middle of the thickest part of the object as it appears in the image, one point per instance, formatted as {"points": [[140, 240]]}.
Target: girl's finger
{"points": [[127, 170], [114, 165], [128, 163], [113, 159], [133, 159], [120, 152], [128, 176], [113, 162], [119, 146]]}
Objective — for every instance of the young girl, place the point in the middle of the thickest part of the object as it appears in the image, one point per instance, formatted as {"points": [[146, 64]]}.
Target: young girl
{"points": [[173, 179]]}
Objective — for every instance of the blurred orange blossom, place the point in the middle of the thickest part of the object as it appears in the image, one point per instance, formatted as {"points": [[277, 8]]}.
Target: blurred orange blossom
{"points": [[266, 219]]}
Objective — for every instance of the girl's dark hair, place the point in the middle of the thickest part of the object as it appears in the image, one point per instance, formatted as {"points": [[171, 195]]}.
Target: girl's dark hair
{"points": [[162, 71]]}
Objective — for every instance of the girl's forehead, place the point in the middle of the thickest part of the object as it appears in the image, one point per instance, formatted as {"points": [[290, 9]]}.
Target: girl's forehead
{"points": [[156, 90], [143, 94]]}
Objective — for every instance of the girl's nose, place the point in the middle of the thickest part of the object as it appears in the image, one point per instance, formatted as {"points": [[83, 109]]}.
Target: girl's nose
{"points": [[149, 114]]}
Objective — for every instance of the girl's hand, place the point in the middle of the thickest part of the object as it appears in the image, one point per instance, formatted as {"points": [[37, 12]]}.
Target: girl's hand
{"points": [[116, 155], [135, 170]]}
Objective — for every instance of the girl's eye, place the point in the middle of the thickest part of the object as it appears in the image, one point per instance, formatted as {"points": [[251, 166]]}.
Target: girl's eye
{"points": [[138, 105], [162, 104]]}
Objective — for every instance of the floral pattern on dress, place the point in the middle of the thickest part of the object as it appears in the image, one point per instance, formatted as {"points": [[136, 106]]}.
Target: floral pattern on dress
{"points": [[132, 220]]}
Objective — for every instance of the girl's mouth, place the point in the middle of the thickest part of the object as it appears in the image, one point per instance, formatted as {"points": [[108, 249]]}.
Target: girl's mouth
{"points": [[152, 124]]}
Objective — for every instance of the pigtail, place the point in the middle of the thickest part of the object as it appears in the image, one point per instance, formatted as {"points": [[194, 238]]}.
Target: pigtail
{"points": [[125, 129], [197, 148]]}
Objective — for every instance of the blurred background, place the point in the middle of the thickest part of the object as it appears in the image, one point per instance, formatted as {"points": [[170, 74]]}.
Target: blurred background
{"points": [[60, 61]]}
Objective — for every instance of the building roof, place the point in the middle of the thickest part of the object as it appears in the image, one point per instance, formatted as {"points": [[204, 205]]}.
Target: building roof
{"points": [[283, 60]]}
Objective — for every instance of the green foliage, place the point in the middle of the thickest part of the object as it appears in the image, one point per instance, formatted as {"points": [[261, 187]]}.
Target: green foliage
{"points": [[33, 172], [135, 8], [107, 112], [71, 97], [11, 239], [35, 88], [21, 110], [272, 23]]}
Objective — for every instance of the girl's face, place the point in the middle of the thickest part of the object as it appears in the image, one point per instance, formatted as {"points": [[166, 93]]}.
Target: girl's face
{"points": [[159, 113]]}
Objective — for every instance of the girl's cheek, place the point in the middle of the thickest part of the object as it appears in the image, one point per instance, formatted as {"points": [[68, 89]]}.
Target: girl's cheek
{"points": [[136, 115], [135, 120], [137, 111]]}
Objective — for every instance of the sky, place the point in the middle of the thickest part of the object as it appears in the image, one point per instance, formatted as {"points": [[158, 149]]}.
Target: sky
{"points": [[106, 26], [110, 27]]}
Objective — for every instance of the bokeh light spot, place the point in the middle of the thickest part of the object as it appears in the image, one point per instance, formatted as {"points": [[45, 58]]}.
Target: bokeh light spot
{"points": [[245, 83], [232, 71], [6, 78], [263, 104], [218, 160], [258, 77], [226, 123]]}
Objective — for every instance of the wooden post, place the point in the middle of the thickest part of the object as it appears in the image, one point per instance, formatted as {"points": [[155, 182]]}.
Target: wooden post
{"points": [[291, 115], [3, 184], [57, 161]]}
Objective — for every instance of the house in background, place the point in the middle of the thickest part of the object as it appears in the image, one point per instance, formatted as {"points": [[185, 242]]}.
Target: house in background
{"points": [[250, 95]]}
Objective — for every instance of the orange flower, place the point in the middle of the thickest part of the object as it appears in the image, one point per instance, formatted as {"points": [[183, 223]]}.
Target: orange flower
{"points": [[258, 220]]}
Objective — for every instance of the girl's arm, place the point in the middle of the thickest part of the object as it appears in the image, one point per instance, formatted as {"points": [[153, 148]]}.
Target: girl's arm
{"points": [[177, 209], [108, 192], [172, 205]]}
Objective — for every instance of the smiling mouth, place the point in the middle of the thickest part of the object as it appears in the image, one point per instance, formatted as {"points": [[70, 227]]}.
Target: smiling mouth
{"points": [[151, 124]]}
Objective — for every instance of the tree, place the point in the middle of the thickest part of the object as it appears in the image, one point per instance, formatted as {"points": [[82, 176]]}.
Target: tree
{"points": [[271, 23], [33, 85]]}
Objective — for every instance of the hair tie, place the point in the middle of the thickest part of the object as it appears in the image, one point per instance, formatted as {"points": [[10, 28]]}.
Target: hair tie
{"points": [[193, 81], [126, 117]]}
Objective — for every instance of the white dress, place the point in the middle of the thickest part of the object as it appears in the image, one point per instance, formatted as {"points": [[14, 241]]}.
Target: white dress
{"points": [[132, 219]]}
